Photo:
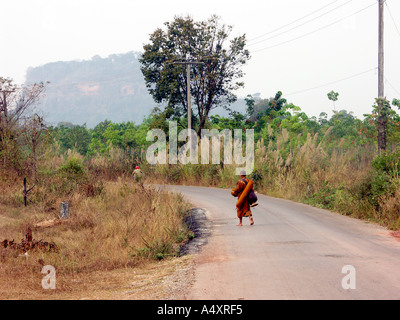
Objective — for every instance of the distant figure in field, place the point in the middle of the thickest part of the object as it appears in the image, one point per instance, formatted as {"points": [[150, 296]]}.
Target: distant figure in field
{"points": [[137, 174], [243, 189]]}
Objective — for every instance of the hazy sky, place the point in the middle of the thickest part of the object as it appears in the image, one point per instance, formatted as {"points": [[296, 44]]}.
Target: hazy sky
{"points": [[297, 47]]}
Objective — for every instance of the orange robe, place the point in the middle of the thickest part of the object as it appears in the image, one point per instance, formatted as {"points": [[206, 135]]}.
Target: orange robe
{"points": [[244, 209]]}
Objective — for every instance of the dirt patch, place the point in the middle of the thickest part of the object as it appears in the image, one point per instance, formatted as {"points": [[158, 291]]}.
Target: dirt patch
{"points": [[161, 280], [168, 279], [197, 222], [47, 223], [396, 235]]}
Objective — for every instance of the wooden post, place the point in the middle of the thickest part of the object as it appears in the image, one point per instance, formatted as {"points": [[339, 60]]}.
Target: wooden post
{"points": [[64, 210], [25, 192]]}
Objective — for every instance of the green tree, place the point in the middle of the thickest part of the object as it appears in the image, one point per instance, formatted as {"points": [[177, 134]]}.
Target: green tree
{"points": [[343, 123], [323, 118], [74, 137], [396, 102], [333, 96], [212, 82], [277, 103]]}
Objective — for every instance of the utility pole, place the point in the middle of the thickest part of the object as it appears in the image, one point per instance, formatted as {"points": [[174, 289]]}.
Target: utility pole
{"points": [[188, 62], [381, 101], [380, 51]]}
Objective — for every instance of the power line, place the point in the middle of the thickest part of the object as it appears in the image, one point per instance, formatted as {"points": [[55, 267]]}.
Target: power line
{"points": [[286, 25], [302, 24], [392, 86], [391, 16], [333, 82], [309, 33]]}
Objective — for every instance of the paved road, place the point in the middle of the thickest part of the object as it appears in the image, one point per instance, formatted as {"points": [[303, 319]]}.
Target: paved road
{"points": [[293, 251]]}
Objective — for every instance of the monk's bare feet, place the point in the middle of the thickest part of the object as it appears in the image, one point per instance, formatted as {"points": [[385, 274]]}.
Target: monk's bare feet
{"points": [[239, 225], [251, 221]]}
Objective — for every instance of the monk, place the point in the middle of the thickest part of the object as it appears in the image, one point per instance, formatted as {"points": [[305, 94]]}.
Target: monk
{"points": [[243, 210]]}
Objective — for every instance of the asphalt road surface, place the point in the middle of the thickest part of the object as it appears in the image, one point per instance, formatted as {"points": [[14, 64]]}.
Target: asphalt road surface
{"points": [[293, 251]]}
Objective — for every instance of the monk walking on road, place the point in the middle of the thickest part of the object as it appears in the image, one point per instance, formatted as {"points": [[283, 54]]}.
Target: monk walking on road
{"points": [[243, 187]]}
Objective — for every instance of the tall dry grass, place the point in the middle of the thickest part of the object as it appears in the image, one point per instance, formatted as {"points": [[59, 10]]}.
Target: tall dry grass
{"points": [[113, 221], [305, 169], [117, 228]]}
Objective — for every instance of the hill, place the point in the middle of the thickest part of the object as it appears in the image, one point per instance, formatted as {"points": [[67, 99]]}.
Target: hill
{"points": [[91, 91]]}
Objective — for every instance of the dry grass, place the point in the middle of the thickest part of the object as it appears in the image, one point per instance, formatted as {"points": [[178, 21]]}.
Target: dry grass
{"points": [[390, 210], [153, 280], [311, 170], [121, 229]]}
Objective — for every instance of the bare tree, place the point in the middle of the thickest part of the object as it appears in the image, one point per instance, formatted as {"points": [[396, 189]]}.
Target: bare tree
{"points": [[16, 102], [33, 136]]}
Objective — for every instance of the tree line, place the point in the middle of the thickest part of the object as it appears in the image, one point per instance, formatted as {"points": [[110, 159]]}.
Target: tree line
{"points": [[268, 118]]}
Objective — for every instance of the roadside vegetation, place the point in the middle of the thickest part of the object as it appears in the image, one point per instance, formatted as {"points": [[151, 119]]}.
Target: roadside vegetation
{"points": [[114, 222], [334, 163]]}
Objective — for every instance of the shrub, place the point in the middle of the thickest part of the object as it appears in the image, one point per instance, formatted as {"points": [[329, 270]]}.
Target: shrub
{"points": [[388, 163], [380, 185], [73, 169], [325, 196]]}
